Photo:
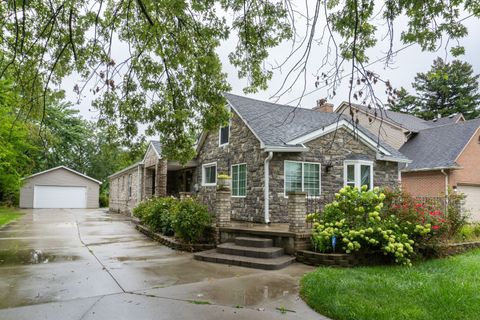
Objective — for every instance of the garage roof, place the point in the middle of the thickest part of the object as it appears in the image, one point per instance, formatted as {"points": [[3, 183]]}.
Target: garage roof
{"points": [[62, 167]]}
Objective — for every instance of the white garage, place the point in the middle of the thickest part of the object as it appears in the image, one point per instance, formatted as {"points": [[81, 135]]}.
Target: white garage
{"points": [[60, 187], [472, 202]]}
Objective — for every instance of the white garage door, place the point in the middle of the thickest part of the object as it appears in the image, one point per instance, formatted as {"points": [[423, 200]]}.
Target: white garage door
{"points": [[472, 202], [59, 197]]}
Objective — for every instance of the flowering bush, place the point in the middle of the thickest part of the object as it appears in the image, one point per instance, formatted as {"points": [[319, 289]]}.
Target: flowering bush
{"points": [[357, 220]]}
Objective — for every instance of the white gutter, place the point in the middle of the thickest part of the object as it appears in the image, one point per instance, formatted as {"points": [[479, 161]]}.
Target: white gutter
{"points": [[285, 149], [266, 188]]}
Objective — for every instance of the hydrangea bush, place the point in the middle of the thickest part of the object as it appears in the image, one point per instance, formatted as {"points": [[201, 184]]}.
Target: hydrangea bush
{"points": [[358, 221]]}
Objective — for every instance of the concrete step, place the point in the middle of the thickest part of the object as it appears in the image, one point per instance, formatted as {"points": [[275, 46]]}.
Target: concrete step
{"points": [[253, 242], [254, 252], [249, 262]]}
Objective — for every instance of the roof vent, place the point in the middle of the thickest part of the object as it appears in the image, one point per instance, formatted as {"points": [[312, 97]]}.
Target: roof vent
{"points": [[452, 115]]}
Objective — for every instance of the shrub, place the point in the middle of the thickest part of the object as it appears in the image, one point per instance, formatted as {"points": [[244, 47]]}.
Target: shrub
{"points": [[456, 214], [358, 221], [469, 232], [103, 200], [158, 214], [192, 221]]}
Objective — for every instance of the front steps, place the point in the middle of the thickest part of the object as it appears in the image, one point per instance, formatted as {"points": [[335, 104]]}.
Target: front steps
{"points": [[248, 252]]}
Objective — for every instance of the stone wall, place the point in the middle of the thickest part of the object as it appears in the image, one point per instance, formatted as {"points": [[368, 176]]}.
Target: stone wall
{"points": [[345, 260], [243, 147], [119, 200], [322, 150]]}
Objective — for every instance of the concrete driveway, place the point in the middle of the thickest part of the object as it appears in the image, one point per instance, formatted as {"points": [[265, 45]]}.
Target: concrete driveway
{"points": [[88, 264]]}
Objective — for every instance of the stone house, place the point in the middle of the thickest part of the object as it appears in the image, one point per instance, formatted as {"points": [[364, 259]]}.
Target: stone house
{"points": [[268, 150], [445, 152]]}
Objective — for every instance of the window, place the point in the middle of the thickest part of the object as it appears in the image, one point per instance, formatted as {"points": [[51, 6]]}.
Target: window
{"points": [[358, 173], [129, 186], [224, 135], [239, 180], [302, 176], [209, 174]]}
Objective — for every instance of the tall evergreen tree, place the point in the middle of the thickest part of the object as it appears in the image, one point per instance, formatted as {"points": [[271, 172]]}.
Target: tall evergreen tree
{"points": [[447, 88]]}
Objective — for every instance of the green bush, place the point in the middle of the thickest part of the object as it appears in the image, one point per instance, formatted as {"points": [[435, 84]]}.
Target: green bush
{"points": [[358, 221], [192, 221], [469, 232], [103, 200], [158, 214]]}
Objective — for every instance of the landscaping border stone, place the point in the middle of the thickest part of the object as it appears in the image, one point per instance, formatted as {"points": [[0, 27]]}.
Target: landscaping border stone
{"points": [[173, 243], [450, 249], [341, 260]]}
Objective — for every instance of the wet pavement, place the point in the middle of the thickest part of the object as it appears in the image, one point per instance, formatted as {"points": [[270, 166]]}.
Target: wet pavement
{"points": [[88, 264]]}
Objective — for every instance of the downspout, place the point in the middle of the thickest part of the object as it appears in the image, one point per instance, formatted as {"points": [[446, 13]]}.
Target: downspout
{"points": [[446, 181], [266, 188]]}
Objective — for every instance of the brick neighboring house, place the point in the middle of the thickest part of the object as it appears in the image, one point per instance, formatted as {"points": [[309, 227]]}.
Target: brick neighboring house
{"points": [[269, 150], [445, 152]]}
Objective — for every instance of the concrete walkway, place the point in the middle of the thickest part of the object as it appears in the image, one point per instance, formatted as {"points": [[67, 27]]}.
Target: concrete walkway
{"points": [[87, 264]]}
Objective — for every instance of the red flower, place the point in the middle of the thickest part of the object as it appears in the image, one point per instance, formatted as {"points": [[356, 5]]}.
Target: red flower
{"points": [[435, 227]]}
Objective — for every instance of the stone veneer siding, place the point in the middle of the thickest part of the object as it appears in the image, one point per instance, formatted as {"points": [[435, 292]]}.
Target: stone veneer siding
{"points": [[119, 201], [322, 151], [244, 147]]}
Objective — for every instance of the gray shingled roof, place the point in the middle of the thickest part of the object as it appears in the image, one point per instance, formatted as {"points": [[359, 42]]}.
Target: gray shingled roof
{"points": [[276, 124], [438, 147], [445, 120], [156, 144]]}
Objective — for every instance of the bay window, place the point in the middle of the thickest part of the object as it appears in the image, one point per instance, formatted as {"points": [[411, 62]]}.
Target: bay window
{"points": [[358, 173]]}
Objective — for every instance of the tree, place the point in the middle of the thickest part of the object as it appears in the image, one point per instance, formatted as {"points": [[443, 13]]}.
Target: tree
{"points": [[14, 146], [170, 76], [447, 88]]}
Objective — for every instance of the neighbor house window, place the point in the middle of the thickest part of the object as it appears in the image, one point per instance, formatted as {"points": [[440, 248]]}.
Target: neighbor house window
{"points": [[358, 173], [302, 176], [129, 186], [239, 180], [209, 174]]}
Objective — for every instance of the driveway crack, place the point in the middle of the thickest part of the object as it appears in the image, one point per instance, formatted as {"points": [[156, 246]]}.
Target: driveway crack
{"points": [[96, 258]]}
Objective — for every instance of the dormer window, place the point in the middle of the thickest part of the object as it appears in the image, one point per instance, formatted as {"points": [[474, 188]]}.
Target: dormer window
{"points": [[224, 135]]}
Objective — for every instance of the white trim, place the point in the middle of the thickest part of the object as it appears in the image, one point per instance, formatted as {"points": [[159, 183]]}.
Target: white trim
{"points": [[266, 187], [62, 167], [303, 178], [357, 171], [208, 165], [431, 169], [392, 159], [246, 173], [286, 149], [342, 123]]}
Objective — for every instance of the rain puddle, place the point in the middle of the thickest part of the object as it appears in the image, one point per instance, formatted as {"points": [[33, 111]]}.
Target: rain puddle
{"points": [[34, 256]]}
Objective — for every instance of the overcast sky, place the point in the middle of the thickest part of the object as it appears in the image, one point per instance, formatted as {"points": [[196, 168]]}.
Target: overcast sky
{"points": [[407, 63]]}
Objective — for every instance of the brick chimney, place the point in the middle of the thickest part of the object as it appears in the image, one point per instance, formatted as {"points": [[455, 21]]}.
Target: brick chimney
{"points": [[323, 106]]}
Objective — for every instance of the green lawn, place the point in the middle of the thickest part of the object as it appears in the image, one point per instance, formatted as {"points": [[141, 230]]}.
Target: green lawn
{"points": [[8, 215], [435, 289]]}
